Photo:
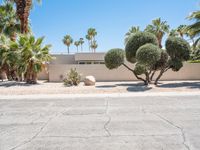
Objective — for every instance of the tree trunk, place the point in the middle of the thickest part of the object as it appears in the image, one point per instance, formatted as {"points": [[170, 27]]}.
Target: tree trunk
{"points": [[68, 49]]}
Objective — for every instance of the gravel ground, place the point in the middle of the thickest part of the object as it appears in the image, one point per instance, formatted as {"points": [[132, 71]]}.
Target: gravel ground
{"points": [[14, 88]]}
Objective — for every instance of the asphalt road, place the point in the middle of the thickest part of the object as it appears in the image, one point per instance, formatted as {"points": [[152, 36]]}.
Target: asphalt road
{"points": [[167, 122]]}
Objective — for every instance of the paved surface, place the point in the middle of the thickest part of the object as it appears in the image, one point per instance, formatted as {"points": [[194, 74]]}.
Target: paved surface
{"points": [[165, 122]]}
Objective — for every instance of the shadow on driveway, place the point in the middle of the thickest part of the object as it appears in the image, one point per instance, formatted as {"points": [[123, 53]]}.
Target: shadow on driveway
{"points": [[191, 85]]}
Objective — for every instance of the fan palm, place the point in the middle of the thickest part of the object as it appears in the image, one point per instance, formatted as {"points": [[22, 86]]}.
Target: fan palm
{"points": [[131, 32], [9, 23], [94, 46], [67, 41], [23, 8], [91, 33], [77, 43], [159, 28], [81, 41], [33, 57], [89, 40]]}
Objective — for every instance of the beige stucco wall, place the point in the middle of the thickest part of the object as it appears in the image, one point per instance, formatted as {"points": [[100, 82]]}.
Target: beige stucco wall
{"points": [[101, 73]]}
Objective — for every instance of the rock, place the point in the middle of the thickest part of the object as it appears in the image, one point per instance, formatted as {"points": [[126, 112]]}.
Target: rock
{"points": [[89, 80]]}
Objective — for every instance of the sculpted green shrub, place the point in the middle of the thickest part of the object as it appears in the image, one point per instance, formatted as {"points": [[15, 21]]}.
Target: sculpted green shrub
{"points": [[139, 69], [148, 54], [72, 78], [142, 48], [136, 41], [175, 64], [178, 48], [114, 58]]}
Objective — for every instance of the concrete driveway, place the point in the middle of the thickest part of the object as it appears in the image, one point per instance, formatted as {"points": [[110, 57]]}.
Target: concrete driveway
{"points": [[129, 122]]}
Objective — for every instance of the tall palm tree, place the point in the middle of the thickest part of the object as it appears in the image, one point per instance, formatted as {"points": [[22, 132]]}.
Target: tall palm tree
{"points": [[67, 41], [94, 46], [77, 43], [132, 31], [9, 23], [23, 8], [91, 33], [81, 41], [159, 28], [89, 40]]}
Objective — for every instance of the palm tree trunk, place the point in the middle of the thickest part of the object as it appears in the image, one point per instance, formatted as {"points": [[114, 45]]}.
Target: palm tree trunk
{"points": [[68, 49]]}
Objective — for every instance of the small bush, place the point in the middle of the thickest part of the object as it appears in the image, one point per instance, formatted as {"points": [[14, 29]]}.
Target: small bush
{"points": [[73, 78], [178, 48], [148, 54], [114, 58], [136, 41], [139, 69]]}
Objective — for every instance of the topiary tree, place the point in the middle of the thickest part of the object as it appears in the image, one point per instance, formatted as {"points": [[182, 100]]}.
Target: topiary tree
{"points": [[136, 41], [178, 50], [114, 58], [142, 50]]}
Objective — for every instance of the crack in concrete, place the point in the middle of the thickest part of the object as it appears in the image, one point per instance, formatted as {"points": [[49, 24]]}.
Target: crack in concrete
{"points": [[178, 127], [133, 135], [109, 120], [36, 135]]}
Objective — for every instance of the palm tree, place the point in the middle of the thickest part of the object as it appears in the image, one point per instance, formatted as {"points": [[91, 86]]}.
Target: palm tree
{"points": [[181, 30], [173, 32], [89, 40], [81, 41], [194, 29], [131, 32], [67, 41], [9, 23], [91, 34], [159, 28], [77, 43], [94, 46], [23, 8], [33, 57]]}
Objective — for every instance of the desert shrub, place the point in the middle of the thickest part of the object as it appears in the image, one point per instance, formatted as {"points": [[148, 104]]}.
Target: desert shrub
{"points": [[136, 41], [175, 64], [72, 78], [148, 54], [139, 69], [178, 48], [114, 58]]}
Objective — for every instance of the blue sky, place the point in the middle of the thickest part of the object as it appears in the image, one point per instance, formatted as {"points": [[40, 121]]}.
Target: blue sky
{"points": [[111, 18]]}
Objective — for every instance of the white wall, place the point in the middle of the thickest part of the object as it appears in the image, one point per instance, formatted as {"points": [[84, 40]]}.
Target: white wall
{"points": [[101, 73]]}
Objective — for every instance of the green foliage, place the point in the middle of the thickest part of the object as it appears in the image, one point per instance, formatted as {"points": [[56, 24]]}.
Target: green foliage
{"points": [[175, 64], [148, 54], [162, 62], [178, 48], [136, 41], [139, 69], [114, 58], [195, 55], [72, 78]]}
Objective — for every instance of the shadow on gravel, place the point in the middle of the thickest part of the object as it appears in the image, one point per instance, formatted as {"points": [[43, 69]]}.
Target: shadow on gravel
{"points": [[191, 85], [13, 83]]}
